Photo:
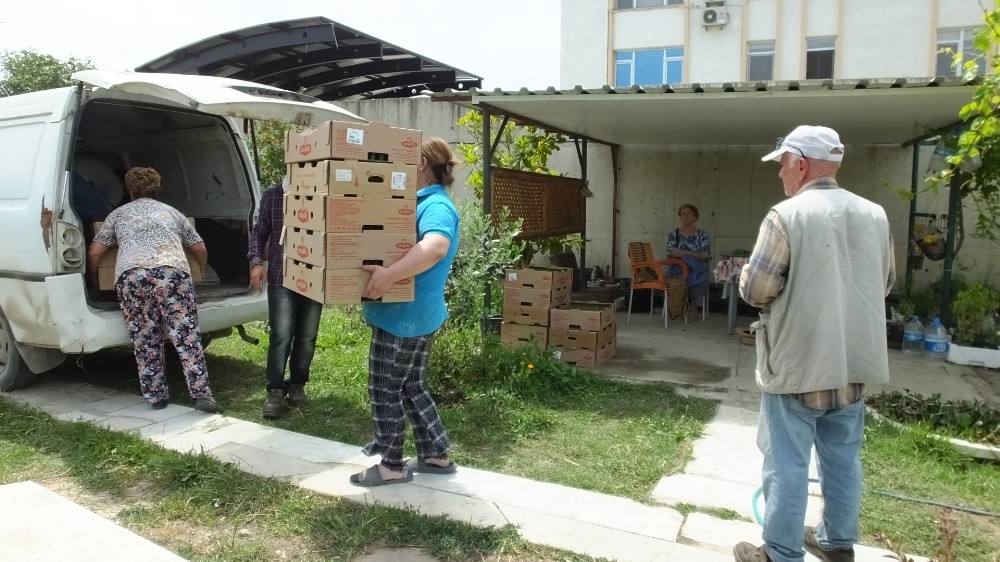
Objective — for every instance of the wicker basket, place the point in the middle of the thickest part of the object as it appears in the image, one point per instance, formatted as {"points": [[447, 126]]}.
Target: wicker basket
{"points": [[748, 336]]}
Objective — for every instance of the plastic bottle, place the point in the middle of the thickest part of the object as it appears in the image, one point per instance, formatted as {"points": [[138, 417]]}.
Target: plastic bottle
{"points": [[913, 336], [935, 339]]}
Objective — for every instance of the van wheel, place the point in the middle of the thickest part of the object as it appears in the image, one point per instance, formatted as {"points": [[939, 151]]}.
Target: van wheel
{"points": [[14, 373]]}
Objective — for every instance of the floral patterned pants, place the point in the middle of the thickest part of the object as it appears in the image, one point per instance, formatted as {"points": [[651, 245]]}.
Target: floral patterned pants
{"points": [[159, 303]]}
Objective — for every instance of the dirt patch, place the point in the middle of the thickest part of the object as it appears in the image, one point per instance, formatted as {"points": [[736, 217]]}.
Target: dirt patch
{"points": [[987, 382], [680, 370]]}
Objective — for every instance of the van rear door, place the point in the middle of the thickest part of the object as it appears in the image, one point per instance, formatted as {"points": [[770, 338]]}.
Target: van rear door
{"points": [[222, 96]]}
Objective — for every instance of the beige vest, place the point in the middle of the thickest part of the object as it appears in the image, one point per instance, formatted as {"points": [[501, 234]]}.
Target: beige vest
{"points": [[827, 326]]}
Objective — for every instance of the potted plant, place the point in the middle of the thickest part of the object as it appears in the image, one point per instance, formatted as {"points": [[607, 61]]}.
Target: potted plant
{"points": [[976, 330]]}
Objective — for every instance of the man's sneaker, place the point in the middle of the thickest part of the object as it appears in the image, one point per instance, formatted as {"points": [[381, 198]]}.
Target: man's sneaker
{"points": [[297, 394], [274, 404], [813, 547], [746, 552]]}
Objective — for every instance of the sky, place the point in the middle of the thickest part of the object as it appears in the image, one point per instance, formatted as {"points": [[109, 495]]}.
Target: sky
{"points": [[510, 43]]}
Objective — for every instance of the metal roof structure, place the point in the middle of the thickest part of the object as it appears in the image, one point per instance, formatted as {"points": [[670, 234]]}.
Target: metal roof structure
{"points": [[863, 111], [317, 57]]}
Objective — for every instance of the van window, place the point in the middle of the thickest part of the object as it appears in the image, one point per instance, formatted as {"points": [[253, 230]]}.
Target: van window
{"points": [[20, 147]]}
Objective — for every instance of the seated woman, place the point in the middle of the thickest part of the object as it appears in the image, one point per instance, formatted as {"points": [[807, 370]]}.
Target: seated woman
{"points": [[691, 244]]}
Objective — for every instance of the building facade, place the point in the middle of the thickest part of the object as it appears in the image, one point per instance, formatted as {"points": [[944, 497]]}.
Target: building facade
{"points": [[652, 42]]}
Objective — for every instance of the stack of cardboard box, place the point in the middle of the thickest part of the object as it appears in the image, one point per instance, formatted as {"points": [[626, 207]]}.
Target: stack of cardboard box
{"points": [[352, 200], [528, 295], [583, 333]]}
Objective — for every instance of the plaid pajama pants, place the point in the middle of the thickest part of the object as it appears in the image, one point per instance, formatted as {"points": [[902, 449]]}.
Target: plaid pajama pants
{"points": [[396, 367]]}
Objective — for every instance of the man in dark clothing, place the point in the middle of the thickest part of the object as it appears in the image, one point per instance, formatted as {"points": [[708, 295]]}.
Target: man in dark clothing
{"points": [[294, 318]]}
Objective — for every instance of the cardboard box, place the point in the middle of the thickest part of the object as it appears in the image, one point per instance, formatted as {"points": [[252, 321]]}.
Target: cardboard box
{"points": [[338, 286], [342, 250], [106, 269], [519, 334], [341, 213], [552, 278], [580, 339], [538, 298], [354, 141], [585, 358], [351, 177], [527, 315], [585, 316]]}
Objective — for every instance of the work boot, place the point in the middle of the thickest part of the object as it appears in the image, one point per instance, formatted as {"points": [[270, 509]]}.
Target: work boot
{"points": [[746, 552], [297, 394], [273, 405], [813, 547]]}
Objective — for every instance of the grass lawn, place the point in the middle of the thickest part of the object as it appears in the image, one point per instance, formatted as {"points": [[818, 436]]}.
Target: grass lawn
{"points": [[520, 412], [514, 411], [207, 511]]}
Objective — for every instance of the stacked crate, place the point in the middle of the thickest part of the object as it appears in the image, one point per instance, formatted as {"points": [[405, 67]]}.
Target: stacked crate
{"points": [[528, 296], [583, 333], [352, 200]]}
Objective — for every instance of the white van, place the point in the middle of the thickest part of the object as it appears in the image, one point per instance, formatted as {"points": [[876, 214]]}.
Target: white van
{"points": [[193, 130]]}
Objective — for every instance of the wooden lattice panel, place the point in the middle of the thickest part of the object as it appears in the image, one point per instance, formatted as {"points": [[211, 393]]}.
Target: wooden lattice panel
{"points": [[548, 205]]}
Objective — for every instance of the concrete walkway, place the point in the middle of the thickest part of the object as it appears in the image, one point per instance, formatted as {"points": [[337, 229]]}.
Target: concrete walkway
{"points": [[724, 473]]}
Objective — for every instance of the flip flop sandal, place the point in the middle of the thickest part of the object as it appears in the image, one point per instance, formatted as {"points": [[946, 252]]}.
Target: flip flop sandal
{"points": [[418, 465], [371, 478]]}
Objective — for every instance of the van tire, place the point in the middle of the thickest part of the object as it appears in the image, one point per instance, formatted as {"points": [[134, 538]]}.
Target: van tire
{"points": [[14, 373]]}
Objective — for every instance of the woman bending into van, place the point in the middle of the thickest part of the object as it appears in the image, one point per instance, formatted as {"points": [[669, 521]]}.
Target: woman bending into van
{"points": [[154, 287], [402, 332]]}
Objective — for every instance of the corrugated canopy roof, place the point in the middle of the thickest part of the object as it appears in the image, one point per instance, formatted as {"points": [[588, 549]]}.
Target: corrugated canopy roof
{"points": [[317, 57], [863, 111]]}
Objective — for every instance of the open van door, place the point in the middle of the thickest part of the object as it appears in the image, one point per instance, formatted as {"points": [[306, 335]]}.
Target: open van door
{"points": [[222, 96]]}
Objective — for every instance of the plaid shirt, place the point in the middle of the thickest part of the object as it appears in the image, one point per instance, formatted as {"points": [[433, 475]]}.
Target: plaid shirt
{"points": [[266, 234], [764, 276]]}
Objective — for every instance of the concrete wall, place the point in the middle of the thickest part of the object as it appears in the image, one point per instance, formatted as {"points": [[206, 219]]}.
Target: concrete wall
{"points": [[883, 38], [732, 188]]}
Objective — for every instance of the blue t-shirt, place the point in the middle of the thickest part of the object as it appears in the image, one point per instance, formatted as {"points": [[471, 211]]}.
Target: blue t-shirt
{"points": [[436, 214]]}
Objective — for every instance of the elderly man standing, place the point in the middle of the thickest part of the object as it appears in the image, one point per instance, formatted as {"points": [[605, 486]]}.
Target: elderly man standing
{"points": [[821, 269]]}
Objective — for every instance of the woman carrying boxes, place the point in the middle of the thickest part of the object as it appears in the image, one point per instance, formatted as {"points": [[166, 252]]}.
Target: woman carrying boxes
{"points": [[402, 332]]}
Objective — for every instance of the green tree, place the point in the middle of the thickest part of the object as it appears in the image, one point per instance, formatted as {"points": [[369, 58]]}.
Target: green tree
{"points": [[28, 70], [979, 142], [268, 146]]}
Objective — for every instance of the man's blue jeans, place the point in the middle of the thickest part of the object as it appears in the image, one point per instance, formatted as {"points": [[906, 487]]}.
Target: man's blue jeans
{"points": [[786, 434], [294, 321]]}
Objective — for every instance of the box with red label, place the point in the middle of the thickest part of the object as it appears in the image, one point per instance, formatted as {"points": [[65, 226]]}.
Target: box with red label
{"points": [[585, 316], [552, 278], [527, 315], [540, 298], [354, 141], [338, 286], [341, 213], [339, 250], [581, 339], [519, 334], [351, 177], [586, 358]]}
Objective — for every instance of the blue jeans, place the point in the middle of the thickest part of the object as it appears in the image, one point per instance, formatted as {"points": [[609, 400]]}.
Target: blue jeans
{"points": [[294, 321], [786, 434]]}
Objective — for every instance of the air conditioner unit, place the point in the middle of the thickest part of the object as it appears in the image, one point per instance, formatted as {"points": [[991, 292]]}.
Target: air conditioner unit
{"points": [[714, 17]]}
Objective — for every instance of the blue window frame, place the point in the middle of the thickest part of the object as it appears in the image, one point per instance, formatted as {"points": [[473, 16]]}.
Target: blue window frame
{"points": [[649, 67]]}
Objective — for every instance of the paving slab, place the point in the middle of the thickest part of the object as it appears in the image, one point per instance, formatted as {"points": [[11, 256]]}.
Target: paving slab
{"points": [[396, 555], [46, 527]]}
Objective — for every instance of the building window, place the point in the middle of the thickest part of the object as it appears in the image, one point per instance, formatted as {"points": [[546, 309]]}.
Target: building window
{"points": [[651, 67], [957, 41], [760, 60], [819, 57], [630, 4]]}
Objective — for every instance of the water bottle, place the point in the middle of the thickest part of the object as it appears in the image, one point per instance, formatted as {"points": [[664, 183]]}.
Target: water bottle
{"points": [[913, 336], [935, 339]]}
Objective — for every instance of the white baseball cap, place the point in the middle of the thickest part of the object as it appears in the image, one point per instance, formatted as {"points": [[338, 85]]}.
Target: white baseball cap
{"points": [[810, 141]]}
